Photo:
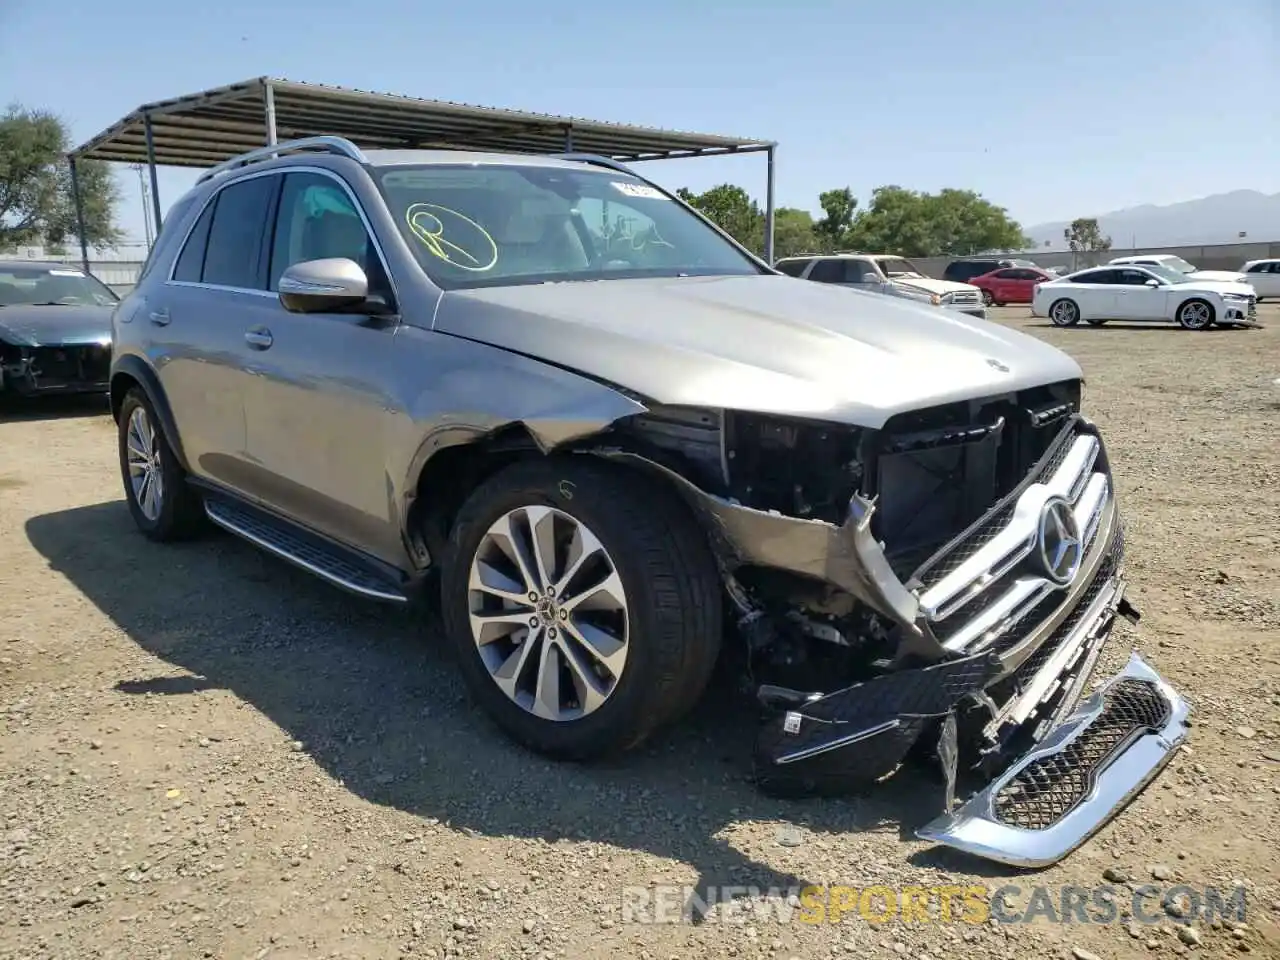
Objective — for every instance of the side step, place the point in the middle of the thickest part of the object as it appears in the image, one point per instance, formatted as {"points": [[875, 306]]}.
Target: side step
{"points": [[327, 563]]}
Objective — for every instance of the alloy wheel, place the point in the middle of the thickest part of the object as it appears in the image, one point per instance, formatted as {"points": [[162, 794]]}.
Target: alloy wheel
{"points": [[1064, 313], [146, 478], [1195, 315], [548, 613]]}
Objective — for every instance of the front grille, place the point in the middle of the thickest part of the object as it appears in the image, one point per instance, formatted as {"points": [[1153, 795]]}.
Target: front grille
{"points": [[1047, 789], [964, 297], [78, 363], [988, 587]]}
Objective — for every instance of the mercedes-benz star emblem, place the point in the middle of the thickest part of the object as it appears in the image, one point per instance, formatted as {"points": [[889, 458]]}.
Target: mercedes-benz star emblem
{"points": [[1059, 541], [993, 362]]}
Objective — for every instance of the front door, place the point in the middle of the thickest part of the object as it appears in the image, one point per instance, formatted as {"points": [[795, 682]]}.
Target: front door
{"points": [[1135, 299], [321, 414]]}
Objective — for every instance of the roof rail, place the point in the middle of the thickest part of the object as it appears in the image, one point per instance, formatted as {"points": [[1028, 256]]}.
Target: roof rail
{"points": [[339, 146], [597, 160]]}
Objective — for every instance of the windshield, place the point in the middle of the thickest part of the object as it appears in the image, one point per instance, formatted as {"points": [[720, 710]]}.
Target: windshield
{"points": [[490, 225], [1177, 263], [29, 286], [896, 267], [1167, 274]]}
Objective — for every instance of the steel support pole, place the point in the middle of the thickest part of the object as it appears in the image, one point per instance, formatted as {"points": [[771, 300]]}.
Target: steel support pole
{"points": [[768, 212], [568, 139], [151, 165], [269, 103], [79, 202]]}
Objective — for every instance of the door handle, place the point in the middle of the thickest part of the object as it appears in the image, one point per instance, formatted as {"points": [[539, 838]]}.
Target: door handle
{"points": [[259, 338], [160, 317]]}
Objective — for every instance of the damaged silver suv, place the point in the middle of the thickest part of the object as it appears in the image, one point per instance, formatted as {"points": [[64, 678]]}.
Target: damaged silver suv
{"points": [[609, 436]]}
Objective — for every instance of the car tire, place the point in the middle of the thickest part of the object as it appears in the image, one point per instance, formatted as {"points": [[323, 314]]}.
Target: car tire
{"points": [[1095, 322], [1064, 313], [987, 299], [664, 577], [1195, 314], [163, 505]]}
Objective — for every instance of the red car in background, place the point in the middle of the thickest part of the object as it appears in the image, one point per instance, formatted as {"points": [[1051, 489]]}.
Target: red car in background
{"points": [[1010, 284]]}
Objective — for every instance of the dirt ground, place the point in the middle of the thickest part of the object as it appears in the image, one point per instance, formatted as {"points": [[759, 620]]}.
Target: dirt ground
{"points": [[206, 753]]}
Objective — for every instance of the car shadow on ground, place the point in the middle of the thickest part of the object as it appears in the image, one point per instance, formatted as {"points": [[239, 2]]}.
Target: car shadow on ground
{"points": [[377, 703], [14, 409]]}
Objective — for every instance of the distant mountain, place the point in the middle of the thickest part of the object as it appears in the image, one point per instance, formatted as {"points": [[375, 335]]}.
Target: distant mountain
{"points": [[1216, 219]]}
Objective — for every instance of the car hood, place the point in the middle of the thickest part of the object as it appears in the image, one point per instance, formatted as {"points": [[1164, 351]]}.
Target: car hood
{"points": [[55, 326], [1216, 286], [1231, 276], [762, 343], [930, 285]]}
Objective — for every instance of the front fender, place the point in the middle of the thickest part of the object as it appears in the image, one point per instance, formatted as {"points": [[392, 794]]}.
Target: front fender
{"points": [[470, 391]]}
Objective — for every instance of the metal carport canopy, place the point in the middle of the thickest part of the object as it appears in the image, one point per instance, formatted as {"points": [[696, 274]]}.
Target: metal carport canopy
{"points": [[204, 129]]}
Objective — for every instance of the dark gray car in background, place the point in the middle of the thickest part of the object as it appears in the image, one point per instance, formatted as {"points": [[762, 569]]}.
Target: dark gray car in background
{"points": [[55, 330], [606, 435]]}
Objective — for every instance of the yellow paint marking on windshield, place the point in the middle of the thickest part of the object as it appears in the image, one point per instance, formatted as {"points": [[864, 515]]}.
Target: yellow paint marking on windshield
{"points": [[427, 224]]}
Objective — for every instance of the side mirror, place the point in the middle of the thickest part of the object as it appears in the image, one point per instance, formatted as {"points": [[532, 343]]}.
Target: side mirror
{"points": [[323, 286], [1152, 283]]}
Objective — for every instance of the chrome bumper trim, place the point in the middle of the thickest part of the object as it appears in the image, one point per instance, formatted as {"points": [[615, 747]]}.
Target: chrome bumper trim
{"points": [[974, 828]]}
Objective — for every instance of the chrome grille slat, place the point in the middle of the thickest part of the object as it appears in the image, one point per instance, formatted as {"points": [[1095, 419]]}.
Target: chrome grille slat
{"points": [[994, 594], [1015, 540]]}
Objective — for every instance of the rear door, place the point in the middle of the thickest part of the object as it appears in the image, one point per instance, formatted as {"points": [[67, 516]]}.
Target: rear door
{"points": [[197, 324], [1093, 295]]}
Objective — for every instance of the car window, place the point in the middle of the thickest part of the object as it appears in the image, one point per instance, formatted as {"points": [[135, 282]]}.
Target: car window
{"points": [[860, 271], [1094, 276], [315, 220], [1022, 273], [1131, 277], [191, 261], [479, 225], [233, 251], [792, 268], [828, 271], [51, 284], [1008, 274]]}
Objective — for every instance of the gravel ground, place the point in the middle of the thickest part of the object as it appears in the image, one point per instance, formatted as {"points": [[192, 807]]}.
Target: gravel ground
{"points": [[209, 754]]}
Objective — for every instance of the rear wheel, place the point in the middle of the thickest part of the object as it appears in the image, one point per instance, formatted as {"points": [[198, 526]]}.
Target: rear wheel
{"points": [[987, 299], [1064, 313], [1196, 315], [583, 603], [163, 506]]}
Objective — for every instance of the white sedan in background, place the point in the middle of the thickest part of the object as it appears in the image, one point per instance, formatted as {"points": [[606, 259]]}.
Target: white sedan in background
{"points": [[1170, 262], [1263, 276], [1153, 293]]}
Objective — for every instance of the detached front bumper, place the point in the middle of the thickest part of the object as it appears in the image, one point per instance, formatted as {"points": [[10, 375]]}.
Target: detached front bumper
{"points": [[1079, 777]]}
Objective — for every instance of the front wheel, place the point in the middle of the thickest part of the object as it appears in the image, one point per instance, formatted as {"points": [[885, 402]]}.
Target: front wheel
{"points": [[1064, 313], [583, 604], [1195, 315], [988, 299], [1095, 321]]}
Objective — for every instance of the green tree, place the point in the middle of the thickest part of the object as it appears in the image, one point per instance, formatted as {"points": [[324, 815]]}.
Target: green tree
{"points": [[794, 232], [838, 207], [1083, 236], [732, 209], [36, 202], [951, 222]]}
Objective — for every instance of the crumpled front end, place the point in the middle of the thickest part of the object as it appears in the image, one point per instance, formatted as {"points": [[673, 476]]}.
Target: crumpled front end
{"points": [[30, 371], [977, 650]]}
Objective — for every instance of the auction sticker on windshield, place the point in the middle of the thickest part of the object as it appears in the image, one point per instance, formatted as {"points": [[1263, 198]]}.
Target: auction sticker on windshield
{"points": [[637, 190], [65, 273]]}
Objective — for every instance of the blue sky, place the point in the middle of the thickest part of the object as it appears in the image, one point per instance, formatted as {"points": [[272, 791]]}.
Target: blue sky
{"points": [[1050, 109]]}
